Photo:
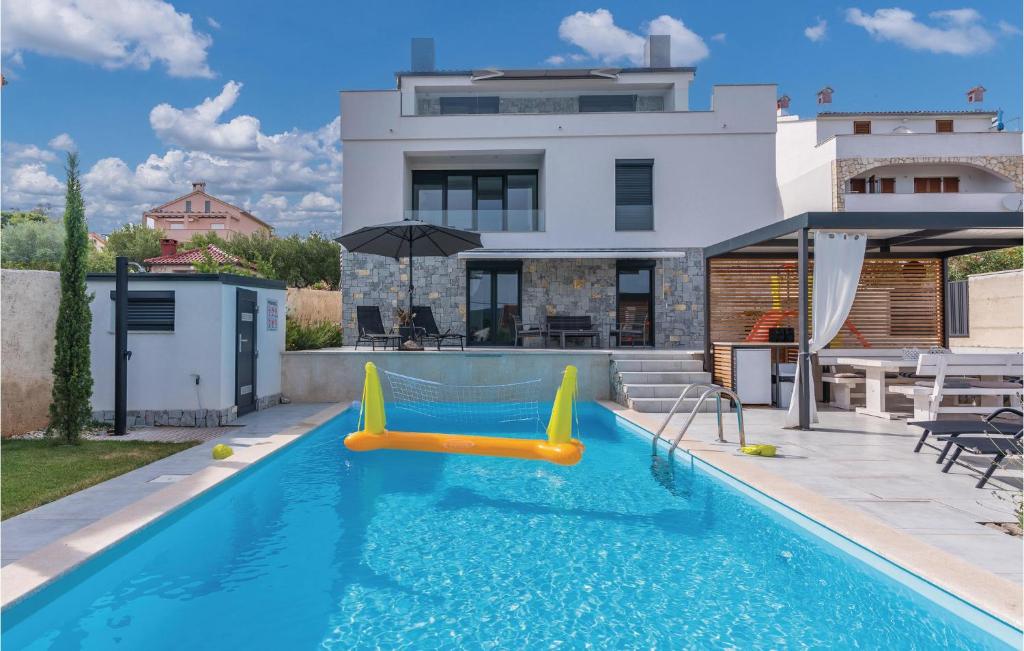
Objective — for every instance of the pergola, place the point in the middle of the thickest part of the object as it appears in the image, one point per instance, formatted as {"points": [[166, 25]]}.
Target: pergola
{"points": [[890, 235]]}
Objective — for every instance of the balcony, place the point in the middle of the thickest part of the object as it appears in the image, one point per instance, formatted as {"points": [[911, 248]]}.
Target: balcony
{"points": [[928, 145], [483, 221], [925, 202]]}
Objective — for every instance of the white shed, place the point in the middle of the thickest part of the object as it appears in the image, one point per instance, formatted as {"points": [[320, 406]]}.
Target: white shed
{"points": [[205, 348]]}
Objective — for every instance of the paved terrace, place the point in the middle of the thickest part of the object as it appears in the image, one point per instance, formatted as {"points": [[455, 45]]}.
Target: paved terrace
{"points": [[868, 464], [39, 527]]}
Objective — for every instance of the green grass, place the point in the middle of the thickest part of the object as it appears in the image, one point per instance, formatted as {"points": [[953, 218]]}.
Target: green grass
{"points": [[34, 472]]}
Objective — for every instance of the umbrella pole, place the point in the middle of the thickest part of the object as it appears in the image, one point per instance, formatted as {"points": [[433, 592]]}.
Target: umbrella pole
{"points": [[410, 284]]}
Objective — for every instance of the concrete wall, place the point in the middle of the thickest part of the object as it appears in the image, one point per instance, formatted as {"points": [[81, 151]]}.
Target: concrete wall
{"points": [[337, 376], [313, 305], [29, 318], [995, 311], [163, 366]]}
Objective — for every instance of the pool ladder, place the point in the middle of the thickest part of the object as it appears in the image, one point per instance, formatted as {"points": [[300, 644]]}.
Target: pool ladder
{"points": [[709, 390]]}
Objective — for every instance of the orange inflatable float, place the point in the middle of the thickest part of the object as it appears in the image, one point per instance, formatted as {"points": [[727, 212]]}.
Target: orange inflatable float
{"points": [[559, 447]]}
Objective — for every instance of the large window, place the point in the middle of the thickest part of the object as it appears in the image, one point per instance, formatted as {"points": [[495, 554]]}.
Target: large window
{"points": [[634, 195], [607, 103], [479, 200], [469, 105]]}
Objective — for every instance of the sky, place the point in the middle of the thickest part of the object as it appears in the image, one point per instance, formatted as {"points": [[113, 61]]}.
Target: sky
{"points": [[154, 94]]}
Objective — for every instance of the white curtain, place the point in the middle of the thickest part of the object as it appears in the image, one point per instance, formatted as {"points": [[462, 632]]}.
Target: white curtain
{"points": [[838, 258]]}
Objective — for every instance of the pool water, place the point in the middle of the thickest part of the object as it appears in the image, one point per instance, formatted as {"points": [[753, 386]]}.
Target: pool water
{"points": [[319, 547]]}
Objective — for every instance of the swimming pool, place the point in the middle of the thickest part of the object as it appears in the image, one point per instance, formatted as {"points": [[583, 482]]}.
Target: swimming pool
{"points": [[319, 547]]}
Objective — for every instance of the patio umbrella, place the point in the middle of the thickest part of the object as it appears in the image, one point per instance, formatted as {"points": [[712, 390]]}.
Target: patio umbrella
{"points": [[410, 238]]}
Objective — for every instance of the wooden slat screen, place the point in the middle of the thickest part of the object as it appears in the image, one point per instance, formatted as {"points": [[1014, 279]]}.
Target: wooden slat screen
{"points": [[898, 303]]}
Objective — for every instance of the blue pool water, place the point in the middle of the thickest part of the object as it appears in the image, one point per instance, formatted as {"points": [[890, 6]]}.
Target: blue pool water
{"points": [[318, 547]]}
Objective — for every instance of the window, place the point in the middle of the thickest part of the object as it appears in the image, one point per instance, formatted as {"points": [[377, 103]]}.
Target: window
{"points": [[862, 127], [217, 227], [177, 226], [469, 105], [634, 195], [943, 126], [888, 186], [927, 184], [206, 206], [951, 184], [859, 186], [607, 103], [188, 206], [150, 222], [479, 200], [149, 311]]}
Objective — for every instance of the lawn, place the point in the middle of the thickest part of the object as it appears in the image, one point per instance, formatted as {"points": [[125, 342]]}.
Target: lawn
{"points": [[34, 472]]}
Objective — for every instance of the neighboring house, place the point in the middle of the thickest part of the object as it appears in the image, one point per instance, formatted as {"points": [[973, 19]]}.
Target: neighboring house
{"points": [[98, 241], [198, 212], [173, 261], [594, 190], [898, 161]]}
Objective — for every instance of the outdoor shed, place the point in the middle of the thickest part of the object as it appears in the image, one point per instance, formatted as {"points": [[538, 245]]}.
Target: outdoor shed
{"points": [[204, 348]]}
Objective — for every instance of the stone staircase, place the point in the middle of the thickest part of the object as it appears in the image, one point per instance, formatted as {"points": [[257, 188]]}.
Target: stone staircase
{"points": [[651, 381]]}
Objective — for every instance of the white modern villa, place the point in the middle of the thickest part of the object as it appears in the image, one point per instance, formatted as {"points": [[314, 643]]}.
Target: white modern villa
{"points": [[595, 190]]}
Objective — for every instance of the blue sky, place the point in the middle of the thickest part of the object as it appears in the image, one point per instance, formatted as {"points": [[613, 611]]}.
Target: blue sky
{"points": [[125, 81]]}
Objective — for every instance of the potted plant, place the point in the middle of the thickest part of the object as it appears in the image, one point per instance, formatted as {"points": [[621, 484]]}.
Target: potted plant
{"points": [[406, 329]]}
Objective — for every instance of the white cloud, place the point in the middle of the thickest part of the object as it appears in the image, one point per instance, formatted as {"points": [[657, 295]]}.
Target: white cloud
{"points": [[1008, 29], [816, 32], [956, 31], [555, 60], [719, 37], [17, 153], [62, 142], [31, 179], [318, 203], [597, 34], [198, 127], [212, 22], [111, 33]]}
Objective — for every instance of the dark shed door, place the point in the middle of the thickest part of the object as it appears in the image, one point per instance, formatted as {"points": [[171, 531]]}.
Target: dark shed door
{"points": [[245, 351]]}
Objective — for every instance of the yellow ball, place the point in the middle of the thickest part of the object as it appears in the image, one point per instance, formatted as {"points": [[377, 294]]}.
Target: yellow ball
{"points": [[221, 451]]}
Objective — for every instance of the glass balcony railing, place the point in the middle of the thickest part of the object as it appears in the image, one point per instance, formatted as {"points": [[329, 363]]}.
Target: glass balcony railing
{"points": [[484, 221]]}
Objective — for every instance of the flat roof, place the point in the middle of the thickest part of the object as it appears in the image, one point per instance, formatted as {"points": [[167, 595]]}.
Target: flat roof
{"points": [[540, 73], [890, 234]]}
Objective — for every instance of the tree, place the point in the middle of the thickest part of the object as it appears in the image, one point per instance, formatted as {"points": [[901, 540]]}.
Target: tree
{"points": [[135, 242], [297, 261], [70, 411], [11, 217], [31, 244], [979, 263], [100, 261]]}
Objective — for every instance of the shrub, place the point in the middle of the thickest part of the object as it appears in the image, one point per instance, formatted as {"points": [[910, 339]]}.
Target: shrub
{"points": [[135, 242], [32, 244], [963, 266], [311, 336]]}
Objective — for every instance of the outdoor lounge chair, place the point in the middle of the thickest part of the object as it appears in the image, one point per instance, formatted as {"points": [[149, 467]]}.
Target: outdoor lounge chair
{"points": [[633, 326], [427, 330], [524, 330], [371, 328], [998, 447], [579, 327], [947, 429]]}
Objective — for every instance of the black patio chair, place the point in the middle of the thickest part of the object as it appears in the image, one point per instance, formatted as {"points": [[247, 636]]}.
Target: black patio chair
{"points": [[949, 429], [371, 328], [578, 327], [996, 446], [633, 326], [427, 330]]}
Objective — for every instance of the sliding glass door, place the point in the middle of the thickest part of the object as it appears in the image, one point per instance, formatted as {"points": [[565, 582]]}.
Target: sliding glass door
{"points": [[634, 283], [492, 299]]}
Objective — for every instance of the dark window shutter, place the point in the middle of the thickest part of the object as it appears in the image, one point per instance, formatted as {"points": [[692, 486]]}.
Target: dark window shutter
{"points": [[470, 105], [862, 127], [634, 195], [607, 103], [943, 126], [888, 186], [951, 184], [957, 303], [150, 311]]}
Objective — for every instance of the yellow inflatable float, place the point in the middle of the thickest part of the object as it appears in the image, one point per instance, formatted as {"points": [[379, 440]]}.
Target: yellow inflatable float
{"points": [[559, 447]]}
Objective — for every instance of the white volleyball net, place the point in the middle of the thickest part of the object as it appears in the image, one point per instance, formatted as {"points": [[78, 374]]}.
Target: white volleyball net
{"points": [[477, 405]]}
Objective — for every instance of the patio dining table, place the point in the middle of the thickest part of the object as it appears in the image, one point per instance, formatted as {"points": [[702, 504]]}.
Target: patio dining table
{"points": [[875, 391]]}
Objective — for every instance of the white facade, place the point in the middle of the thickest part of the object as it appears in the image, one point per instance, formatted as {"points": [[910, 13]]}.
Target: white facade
{"points": [[822, 165], [164, 366], [712, 170]]}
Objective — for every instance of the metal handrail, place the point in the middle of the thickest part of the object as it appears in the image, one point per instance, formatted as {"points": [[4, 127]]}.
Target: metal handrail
{"points": [[717, 392], [675, 408]]}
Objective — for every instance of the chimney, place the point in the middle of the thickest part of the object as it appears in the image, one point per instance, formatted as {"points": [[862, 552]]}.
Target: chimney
{"points": [[825, 95], [781, 105], [168, 247], [422, 55], [658, 51], [198, 186], [976, 95]]}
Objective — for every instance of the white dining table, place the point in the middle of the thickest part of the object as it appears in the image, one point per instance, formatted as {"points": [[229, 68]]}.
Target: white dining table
{"points": [[875, 391]]}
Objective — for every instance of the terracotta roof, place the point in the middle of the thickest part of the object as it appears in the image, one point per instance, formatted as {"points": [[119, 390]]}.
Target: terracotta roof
{"points": [[847, 114], [195, 255]]}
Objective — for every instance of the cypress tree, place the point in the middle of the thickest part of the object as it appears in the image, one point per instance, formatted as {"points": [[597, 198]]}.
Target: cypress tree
{"points": [[70, 410]]}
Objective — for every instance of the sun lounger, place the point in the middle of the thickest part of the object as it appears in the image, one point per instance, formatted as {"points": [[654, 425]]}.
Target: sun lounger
{"points": [[371, 328], [990, 424], [998, 447], [426, 328]]}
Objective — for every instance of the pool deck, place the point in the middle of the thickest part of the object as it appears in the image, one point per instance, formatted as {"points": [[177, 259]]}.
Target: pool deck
{"points": [[42, 544], [859, 476]]}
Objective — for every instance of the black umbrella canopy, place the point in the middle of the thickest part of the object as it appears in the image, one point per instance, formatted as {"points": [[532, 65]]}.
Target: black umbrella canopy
{"points": [[410, 238]]}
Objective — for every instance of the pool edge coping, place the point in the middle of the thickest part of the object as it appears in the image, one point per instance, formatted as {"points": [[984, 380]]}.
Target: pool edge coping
{"points": [[36, 570], [973, 585]]}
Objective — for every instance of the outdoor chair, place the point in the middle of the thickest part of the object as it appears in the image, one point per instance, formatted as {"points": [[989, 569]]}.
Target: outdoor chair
{"points": [[525, 330], [633, 326], [427, 330], [371, 328], [579, 327], [950, 429], [998, 447]]}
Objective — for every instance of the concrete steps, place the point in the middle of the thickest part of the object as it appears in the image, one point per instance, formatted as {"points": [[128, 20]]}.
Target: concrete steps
{"points": [[651, 381]]}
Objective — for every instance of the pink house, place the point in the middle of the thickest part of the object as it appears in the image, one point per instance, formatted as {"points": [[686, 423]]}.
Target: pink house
{"points": [[199, 212]]}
